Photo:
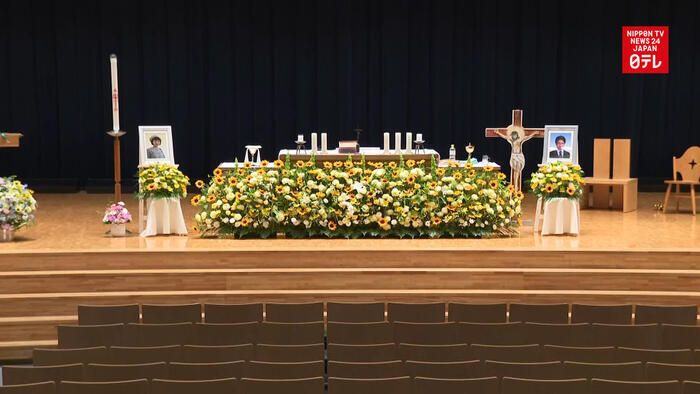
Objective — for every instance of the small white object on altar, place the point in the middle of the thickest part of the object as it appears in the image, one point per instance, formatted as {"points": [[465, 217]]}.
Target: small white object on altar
{"points": [[254, 152], [164, 217], [561, 216]]}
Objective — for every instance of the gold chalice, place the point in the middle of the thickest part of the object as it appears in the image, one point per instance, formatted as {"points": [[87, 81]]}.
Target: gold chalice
{"points": [[470, 149]]}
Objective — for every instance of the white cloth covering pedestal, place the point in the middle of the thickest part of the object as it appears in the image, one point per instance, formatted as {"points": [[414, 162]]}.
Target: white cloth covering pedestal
{"points": [[164, 217], [561, 216]]}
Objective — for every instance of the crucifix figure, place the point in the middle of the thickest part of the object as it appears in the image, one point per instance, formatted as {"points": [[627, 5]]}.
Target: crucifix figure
{"points": [[516, 135]]}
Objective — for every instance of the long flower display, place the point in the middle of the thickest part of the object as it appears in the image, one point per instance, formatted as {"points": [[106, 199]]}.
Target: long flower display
{"points": [[558, 180], [17, 204], [357, 199], [162, 181]]}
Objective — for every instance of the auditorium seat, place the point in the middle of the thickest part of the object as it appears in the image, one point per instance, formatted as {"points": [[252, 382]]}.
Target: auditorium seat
{"points": [[346, 312], [601, 354], [360, 333], [369, 370], [216, 354], [46, 357], [142, 355], [290, 333], [313, 385], [276, 370], [148, 335], [646, 336], [395, 385], [540, 313], [219, 386], [289, 353], [294, 313], [426, 333], [511, 353], [631, 371], [94, 315], [171, 313], [650, 314], [362, 353], [16, 374], [539, 370], [30, 388], [116, 372], [691, 387], [491, 333], [488, 385], [602, 386], [416, 312], [138, 386], [674, 336], [477, 313], [677, 356], [607, 314], [206, 371], [454, 352], [537, 386], [233, 313], [70, 337], [221, 334], [663, 371], [557, 334], [445, 369]]}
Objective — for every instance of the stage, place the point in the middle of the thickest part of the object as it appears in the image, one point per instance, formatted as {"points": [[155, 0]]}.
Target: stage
{"points": [[66, 259]]}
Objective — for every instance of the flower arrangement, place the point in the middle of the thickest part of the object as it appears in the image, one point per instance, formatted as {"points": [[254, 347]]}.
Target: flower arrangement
{"points": [[162, 181], [357, 199], [117, 214], [17, 204], [558, 180]]}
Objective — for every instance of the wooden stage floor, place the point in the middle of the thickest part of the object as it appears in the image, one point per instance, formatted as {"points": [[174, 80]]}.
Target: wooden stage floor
{"points": [[66, 259]]}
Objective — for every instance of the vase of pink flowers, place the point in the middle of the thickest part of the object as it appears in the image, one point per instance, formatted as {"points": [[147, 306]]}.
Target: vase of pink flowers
{"points": [[117, 216]]}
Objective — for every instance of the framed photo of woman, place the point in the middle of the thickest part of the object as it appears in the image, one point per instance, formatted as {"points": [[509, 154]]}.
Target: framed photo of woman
{"points": [[156, 145]]}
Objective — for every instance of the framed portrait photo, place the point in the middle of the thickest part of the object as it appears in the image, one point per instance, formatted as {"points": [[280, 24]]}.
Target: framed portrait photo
{"points": [[156, 145], [560, 144]]}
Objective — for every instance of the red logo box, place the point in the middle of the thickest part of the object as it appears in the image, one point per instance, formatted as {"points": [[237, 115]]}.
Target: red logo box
{"points": [[645, 49]]}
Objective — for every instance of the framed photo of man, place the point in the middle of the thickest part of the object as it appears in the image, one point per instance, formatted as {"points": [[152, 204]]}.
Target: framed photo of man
{"points": [[156, 145], [560, 144]]}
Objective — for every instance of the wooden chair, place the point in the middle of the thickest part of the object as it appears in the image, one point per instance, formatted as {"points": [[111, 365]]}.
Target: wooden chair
{"points": [[289, 353], [290, 333], [108, 314], [29, 388], [149, 335], [435, 353], [360, 333], [538, 386], [47, 357], [540, 313], [206, 371], [233, 313], [662, 371], [21, 374], [119, 372], [416, 312], [491, 333], [601, 354], [268, 370], [676, 336], [510, 353], [138, 386], [221, 334], [679, 314], [355, 312], [362, 353], [142, 354], [71, 337], [423, 385], [477, 313], [632, 371], [171, 313], [445, 370], [313, 385], [294, 313], [426, 333], [676, 356], [216, 354], [602, 386], [624, 188], [394, 385], [218, 386], [375, 370], [688, 166], [608, 314]]}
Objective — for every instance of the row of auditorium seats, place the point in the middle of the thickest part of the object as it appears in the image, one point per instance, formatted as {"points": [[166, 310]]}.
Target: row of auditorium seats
{"points": [[649, 336], [359, 353], [379, 311]]}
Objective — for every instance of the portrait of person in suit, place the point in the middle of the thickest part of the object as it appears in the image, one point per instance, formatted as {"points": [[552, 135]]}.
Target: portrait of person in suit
{"points": [[560, 152], [155, 152]]}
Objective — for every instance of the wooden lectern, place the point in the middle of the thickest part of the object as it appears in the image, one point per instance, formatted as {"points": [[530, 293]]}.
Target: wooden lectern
{"points": [[10, 140]]}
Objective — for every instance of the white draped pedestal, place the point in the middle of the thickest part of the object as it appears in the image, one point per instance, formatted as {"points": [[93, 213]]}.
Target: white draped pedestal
{"points": [[164, 217], [561, 216]]}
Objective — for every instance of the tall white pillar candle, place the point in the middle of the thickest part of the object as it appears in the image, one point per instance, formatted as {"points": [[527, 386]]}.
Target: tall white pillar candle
{"points": [[115, 92], [409, 142], [386, 143], [324, 143], [314, 143], [397, 143]]}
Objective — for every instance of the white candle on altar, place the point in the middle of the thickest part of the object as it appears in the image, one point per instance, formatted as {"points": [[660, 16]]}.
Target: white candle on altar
{"points": [[409, 142], [115, 92], [300, 137], [386, 143], [314, 142], [397, 143], [324, 143], [419, 137]]}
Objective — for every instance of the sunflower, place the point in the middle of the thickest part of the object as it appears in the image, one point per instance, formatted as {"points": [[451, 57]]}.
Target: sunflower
{"points": [[320, 194], [440, 171], [195, 229], [240, 171], [337, 164], [247, 165], [392, 164], [219, 180], [411, 179], [264, 163], [279, 189], [348, 164], [501, 176], [278, 163], [519, 195], [218, 172], [233, 181], [300, 163], [199, 184], [383, 221], [309, 164], [511, 188], [458, 175], [571, 190], [468, 165], [436, 221], [151, 186], [488, 168], [410, 163], [332, 226], [195, 200], [549, 188], [327, 165], [245, 222], [211, 198], [471, 173]]}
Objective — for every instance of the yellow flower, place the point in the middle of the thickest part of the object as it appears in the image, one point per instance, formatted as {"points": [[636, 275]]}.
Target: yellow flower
{"points": [[501, 176], [151, 186], [300, 163], [468, 165], [245, 222], [392, 164], [328, 165], [549, 188], [199, 184], [195, 200], [440, 171], [332, 226], [337, 164], [233, 181], [218, 172], [347, 164], [410, 163], [278, 163], [471, 173], [309, 164], [571, 190], [264, 163], [436, 221], [519, 195], [195, 229], [211, 198], [247, 165], [219, 180], [488, 168], [458, 175], [411, 179], [493, 184]]}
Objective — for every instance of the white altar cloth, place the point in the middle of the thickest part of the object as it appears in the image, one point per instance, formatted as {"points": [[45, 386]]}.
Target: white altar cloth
{"points": [[164, 217], [561, 216]]}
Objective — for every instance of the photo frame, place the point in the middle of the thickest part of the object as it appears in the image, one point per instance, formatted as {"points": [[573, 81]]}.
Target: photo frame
{"points": [[560, 143], [156, 145]]}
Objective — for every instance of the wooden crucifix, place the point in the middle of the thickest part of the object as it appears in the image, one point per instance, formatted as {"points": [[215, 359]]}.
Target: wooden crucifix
{"points": [[516, 135]]}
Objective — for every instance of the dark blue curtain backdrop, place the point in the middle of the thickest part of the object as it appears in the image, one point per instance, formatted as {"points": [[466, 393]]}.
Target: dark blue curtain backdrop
{"points": [[229, 73]]}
